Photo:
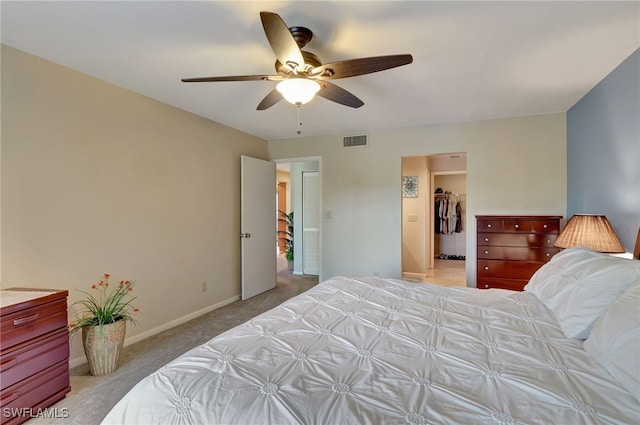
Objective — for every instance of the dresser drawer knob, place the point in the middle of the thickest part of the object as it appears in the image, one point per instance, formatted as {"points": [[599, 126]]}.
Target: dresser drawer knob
{"points": [[545, 226], [516, 226], [486, 286], [548, 240], [486, 267], [489, 225], [547, 254], [486, 239], [486, 251]]}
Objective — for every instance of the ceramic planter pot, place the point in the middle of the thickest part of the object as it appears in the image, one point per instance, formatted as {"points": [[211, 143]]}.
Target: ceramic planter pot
{"points": [[103, 346]]}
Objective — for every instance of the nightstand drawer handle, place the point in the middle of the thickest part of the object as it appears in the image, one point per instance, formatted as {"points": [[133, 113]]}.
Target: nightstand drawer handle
{"points": [[8, 364], [26, 320], [9, 398]]}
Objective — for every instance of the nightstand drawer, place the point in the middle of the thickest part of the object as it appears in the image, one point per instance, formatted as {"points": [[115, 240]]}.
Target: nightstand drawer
{"points": [[30, 358], [49, 385], [32, 322]]}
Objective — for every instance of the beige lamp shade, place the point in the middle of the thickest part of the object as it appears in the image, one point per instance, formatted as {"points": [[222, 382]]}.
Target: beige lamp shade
{"points": [[592, 231]]}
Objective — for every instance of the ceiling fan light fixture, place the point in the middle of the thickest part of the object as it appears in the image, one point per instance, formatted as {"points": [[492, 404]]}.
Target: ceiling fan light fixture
{"points": [[298, 91]]}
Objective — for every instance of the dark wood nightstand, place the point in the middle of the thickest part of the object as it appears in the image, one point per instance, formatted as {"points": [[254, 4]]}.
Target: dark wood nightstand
{"points": [[34, 351]]}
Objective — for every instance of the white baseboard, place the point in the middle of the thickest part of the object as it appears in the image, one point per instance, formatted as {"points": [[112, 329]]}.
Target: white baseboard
{"points": [[413, 277], [77, 361]]}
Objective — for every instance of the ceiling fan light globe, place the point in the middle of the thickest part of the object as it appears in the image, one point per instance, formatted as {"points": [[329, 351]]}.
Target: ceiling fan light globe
{"points": [[298, 91]]}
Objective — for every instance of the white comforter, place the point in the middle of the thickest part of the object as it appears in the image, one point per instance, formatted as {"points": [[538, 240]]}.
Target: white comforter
{"points": [[380, 351]]}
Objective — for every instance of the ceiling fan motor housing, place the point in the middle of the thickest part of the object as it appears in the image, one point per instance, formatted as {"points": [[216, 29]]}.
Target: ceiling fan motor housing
{"points": [[309, 58], [302, 35]]}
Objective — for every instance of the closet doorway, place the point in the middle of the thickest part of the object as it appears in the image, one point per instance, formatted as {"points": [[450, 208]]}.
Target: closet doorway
{"points": [[434, 193], [299, 197]]}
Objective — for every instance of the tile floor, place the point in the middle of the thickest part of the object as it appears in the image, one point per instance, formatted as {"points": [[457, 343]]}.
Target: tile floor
{"points": [[446, 273]]}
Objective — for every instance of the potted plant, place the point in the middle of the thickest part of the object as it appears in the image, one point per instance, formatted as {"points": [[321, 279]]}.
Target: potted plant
{"points": [[287, 235], [103, 318]]}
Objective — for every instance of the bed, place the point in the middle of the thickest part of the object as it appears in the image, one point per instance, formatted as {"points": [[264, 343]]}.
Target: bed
{"points": [[368, 350]]}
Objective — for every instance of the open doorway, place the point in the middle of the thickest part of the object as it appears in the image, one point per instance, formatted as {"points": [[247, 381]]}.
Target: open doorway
{"points": [[434, 218], [298, 249]]}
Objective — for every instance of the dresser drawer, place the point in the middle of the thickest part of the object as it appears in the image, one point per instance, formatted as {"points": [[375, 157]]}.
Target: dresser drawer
{"points": [[517, 253], [489, 226], [517, 226], [27, 359], [516, 239], [545, 226], [30, 323], [509, 269], [502, 283], [51, 384]]}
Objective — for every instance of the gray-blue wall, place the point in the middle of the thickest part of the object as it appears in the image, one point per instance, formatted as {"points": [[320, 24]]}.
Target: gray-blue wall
{"points": [[603, 151]]}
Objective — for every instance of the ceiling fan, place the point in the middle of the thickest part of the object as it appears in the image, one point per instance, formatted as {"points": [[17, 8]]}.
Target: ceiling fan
{"points": [[301, 75]]}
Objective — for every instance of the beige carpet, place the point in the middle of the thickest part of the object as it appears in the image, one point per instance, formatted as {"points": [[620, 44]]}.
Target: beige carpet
{"points": [[92, 397]]}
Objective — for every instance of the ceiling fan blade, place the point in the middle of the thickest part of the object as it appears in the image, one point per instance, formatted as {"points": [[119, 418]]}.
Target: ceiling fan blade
{"points": [[339, 95], [281, 40], [269, 100], [233, 78], [353, 67]]}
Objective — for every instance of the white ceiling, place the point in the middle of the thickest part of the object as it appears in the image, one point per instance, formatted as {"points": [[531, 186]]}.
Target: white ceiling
{"points": [[472, 60]]}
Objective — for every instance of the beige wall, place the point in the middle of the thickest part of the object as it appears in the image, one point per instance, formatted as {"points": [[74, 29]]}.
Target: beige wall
{"points": [[514, 166], [98, 179], [415, 246]]}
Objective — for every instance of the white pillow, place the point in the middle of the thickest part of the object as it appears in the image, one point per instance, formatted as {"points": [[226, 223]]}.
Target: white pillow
{"points": [[578, 284], [615, 340]]}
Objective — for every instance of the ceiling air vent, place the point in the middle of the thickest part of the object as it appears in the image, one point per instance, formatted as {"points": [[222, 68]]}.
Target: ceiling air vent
{"points": [[353, 141]]}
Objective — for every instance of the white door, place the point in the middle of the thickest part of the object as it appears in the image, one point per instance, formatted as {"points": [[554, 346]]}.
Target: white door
{"points": [[310, 223], [258, 224]]}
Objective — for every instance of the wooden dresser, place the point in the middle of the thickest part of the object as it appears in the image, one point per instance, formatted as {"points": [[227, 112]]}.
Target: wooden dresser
{"points": [[511, 248], [34, 352]]}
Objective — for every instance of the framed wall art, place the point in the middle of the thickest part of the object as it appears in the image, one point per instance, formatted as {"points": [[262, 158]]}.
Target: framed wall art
{"points": [[409, 186]]}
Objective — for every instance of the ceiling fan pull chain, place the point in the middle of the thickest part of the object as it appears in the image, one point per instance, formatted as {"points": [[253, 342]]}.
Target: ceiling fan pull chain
{"points": [[299, 131]]}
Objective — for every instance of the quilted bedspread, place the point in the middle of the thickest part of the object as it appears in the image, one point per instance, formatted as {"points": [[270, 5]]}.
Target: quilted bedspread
{"points": [[366, 350]]}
